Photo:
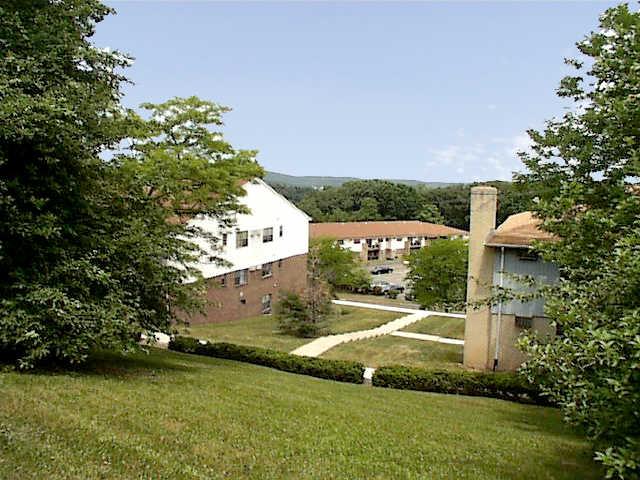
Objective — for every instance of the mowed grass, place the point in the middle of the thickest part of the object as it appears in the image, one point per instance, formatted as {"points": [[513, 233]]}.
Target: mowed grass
{"points": [[263, 331], [437, 325], [174, 416], [259, 331], [390, 350], [350, 319]]}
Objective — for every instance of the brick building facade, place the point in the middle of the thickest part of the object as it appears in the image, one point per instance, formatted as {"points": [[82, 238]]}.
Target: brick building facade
{"points": [[251, 292], [265, 252]]}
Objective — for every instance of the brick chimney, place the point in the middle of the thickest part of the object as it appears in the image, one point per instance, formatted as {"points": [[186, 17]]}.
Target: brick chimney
{"points": [[477, 330]]}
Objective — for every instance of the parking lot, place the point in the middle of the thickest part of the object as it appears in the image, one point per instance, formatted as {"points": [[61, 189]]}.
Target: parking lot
{"points": [[397, 276]]}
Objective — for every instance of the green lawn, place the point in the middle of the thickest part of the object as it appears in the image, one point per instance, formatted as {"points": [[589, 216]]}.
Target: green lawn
{"points": [[442, 326], [390, 350], [262, 331], [175, 416], [349, 319]]}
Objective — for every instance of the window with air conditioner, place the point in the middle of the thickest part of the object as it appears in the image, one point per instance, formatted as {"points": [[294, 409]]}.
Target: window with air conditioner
{"points": [[267, 270]]}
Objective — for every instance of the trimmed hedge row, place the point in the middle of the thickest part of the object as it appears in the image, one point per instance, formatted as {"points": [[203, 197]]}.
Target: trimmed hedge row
{"points": [[339, 370], [502, 385]]}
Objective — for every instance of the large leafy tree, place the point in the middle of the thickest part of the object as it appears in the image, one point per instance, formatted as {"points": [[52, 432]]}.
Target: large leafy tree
{"points": [[438, 274], [94, 252], [584, 168], [59, 101], [338, 266]]}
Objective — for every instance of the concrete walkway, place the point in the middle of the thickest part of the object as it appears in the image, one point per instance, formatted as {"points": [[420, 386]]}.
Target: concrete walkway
{"points": [[390, 308], [320, 345], [429, 338]]}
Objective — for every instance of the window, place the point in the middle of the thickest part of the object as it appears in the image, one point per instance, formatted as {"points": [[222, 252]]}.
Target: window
{"points": [[380, 240], [356, 241], [224, 239], [267, 270], [240, 277], [528, 256], [242, 239], [387, 239], [524, 322], [281, 230], [398, 239], [266, 304], [280, 263], [340, 242], [223, 280], [267, 235]]}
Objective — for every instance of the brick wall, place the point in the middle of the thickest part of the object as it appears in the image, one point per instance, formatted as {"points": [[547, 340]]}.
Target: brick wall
{"points": [[230, 302]]}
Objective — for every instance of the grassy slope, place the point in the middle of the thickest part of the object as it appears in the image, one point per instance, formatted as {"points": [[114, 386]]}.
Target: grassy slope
{"points": [[174, 416], [389, 350], [262, 331], [442, 326]]}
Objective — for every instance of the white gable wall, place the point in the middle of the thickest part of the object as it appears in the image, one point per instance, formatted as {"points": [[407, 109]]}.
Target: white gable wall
{"points": [[268, 209]]}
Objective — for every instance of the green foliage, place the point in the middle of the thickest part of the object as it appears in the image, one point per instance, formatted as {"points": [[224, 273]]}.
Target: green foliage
{"points": [[59, 107], [94, 252], [339, 370], [452, 202], [293, 193], [362, 200], [438, 273], [338, 266], [584, 167], [506, 386], [430, 213], [292, 312]]}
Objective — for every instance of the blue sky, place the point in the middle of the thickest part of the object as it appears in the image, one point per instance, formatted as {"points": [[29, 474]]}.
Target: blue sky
{"points": [[421, 90]]}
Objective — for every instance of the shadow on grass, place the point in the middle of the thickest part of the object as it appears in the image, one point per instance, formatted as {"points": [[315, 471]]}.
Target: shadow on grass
{"points": [[150, 363], [567, 455]]}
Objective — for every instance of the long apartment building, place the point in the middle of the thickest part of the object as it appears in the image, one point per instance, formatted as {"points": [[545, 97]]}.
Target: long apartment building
{"points": [[383, 240], [266, 251]]}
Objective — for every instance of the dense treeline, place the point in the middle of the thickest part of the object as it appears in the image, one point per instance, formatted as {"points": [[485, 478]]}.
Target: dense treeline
{"points": [[384, 200]]}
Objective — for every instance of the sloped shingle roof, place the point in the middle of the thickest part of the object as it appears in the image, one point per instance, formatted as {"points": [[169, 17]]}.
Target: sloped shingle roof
{"points": [[409, 228], [519, 230]]}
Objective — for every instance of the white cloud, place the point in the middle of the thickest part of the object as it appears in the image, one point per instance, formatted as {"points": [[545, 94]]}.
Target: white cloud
{"points": [[495, 159]]}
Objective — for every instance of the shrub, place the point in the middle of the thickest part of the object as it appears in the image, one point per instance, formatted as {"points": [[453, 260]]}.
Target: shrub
{"points": [[339, 370], [302, 316], [503, 385]]}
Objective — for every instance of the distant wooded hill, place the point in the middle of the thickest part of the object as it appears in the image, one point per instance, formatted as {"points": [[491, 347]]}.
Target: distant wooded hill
{"points": [[318, 181], [350, 199]]}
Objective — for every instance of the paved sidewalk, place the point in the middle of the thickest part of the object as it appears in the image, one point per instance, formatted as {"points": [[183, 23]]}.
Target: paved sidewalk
{"points": [[390, 308], [429, 338], [320, 345]]}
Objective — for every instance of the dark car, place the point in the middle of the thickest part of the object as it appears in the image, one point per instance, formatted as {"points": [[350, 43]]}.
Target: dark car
{"points": [[381, 269]]}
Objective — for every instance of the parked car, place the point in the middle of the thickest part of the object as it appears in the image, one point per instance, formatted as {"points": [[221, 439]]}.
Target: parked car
{"points": [[393, 290], [409, 295], [379, 287], [381, 269]]}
